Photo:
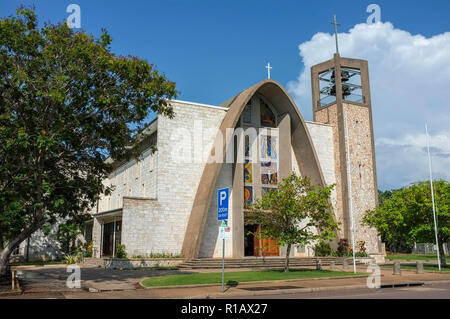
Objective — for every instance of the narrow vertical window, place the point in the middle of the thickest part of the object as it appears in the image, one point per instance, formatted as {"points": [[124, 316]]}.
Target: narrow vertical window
{"points": [[358, 133], [247, 114], [267, 116], [360, 176]]}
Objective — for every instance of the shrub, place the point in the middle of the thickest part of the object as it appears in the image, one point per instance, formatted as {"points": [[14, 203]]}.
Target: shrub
{"points": [[343, 249], [322, 249], [361, 254], [72, 259], [87, 249], [362, 246], [121, 253]]}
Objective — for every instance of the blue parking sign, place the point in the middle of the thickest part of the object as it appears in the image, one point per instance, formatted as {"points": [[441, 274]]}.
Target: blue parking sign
{"points": [[222, 203]]}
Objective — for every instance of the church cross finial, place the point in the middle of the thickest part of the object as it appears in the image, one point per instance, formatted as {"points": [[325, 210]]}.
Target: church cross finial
{"points": [[268, 67], [335, 33]]}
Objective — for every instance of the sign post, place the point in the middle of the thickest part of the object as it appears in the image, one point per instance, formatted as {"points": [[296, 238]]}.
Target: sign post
{"points": [[224, 230]]}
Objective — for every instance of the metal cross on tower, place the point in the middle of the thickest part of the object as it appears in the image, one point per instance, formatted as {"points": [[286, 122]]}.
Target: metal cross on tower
{"points": [[268, 67], [335, 32]]}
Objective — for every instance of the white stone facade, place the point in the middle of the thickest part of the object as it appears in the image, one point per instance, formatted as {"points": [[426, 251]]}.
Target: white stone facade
{"points": [[153, 197], [154, 219]]}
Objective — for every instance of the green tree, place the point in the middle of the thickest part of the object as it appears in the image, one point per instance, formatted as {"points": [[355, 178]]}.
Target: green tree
{"points": [[383, 195], [66, 234], [290, 213], [67, 103], [408, 215]]}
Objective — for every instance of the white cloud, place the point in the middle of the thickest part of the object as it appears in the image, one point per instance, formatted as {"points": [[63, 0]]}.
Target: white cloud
{"points": [[405, 160], [410, 85]]}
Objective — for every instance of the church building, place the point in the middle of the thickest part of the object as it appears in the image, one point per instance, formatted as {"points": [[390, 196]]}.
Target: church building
{"points": [[166, 202]]}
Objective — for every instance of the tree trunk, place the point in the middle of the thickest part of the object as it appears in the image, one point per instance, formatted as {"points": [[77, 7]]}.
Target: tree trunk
{"points": [[442, 254], [288, 252], [4, 262], [5, 253]]}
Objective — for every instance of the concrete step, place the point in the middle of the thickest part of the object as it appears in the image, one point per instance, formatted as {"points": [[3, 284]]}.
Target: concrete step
{"points": [[211, 263], [93, 263]]}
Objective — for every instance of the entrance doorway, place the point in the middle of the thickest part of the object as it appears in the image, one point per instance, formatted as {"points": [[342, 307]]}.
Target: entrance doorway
{"points": [[255, 246], [111, 238]]}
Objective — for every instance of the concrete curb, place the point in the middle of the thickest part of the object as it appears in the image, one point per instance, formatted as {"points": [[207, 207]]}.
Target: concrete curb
{"points": [[16, 292], [37, 267], [249, 282], [276, 291], [299, 290], [430, 282]]}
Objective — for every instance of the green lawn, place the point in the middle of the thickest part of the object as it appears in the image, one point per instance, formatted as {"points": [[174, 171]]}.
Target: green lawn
{"points": [[241, 276], [426, 268], [413, 257]]}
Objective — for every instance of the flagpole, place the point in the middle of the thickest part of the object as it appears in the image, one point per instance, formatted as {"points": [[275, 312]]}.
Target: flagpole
{"points": [[432, 199]]}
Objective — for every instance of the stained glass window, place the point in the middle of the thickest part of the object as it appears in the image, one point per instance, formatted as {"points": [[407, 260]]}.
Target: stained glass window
{"points": [[248, 197], [248, 175], [267, 116], [269, 174], [269, 146], [268, 167], [247, 146]]}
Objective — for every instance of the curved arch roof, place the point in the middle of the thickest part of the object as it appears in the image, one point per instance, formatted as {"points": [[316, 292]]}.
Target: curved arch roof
{"points": [[301, 143]]}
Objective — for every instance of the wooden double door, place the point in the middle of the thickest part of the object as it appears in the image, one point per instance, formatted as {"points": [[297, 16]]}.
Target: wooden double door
{"points": [[256, 246]]}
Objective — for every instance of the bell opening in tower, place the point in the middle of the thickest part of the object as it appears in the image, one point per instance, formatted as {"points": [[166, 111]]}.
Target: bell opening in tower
{"points": [[351, 86]]}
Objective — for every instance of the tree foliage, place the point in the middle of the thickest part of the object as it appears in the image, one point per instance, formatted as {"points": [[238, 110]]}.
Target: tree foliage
{"points": [[66, 234], [292, 212], [407, 215], [66, 104]]}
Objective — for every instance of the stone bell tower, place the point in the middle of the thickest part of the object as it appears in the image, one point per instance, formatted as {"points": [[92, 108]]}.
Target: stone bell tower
{"points": [[341, 98]]}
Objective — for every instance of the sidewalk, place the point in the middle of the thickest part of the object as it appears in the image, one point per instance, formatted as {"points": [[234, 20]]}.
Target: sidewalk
{"points": [[98, 283], [295, 286], [267, 288]]}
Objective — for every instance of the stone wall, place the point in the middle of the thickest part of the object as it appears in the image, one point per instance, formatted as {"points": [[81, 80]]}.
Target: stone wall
{"points": [[132, 179], [364, 192], [139, 225], [329, 116], [322, 138], [178, 181], [156, 193], [41, 248], [362, 170], [159, 226]]}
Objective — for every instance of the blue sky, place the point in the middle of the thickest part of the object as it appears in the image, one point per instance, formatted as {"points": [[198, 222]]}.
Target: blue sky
{"points": [[214, 49]]}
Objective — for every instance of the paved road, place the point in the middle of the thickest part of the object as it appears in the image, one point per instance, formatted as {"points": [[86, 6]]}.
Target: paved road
{"points": [[434, 291], [50, 282]]}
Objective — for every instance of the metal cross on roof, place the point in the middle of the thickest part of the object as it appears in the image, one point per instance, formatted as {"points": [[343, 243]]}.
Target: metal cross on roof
{"points": [[268, 67], [335, 32]]}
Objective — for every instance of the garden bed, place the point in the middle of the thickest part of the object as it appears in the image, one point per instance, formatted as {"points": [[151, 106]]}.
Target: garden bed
{"points": [[132, 263]]}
